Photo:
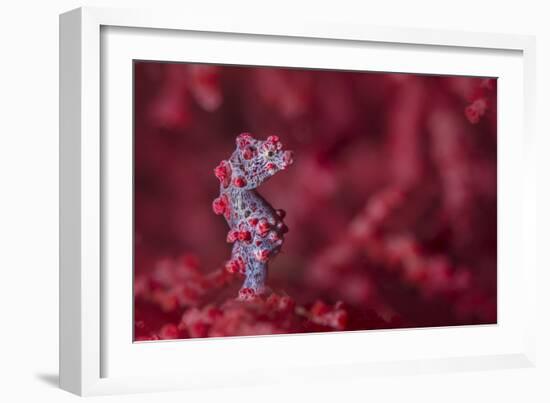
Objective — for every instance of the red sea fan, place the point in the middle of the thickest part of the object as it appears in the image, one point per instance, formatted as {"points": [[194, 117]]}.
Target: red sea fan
{"points": [[391, 202]]}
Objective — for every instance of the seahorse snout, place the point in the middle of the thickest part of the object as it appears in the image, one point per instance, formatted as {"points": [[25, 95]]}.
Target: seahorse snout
{"points": [[287, 159]]}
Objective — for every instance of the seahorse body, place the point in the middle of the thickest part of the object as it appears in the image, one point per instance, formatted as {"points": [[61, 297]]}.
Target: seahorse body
{"points": [[256, 229]]}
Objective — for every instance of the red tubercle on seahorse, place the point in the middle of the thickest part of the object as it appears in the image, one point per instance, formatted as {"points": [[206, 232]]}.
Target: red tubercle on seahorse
{"points": [[221, 205], [240, 182], [261, 255], [223, 173], [236, 265], [263, 227]]}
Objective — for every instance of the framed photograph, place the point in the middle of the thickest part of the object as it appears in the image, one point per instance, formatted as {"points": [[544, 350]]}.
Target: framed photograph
{"points": [[246, 202]]}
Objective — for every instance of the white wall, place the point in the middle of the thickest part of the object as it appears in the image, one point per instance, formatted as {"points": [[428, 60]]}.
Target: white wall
{"points": [[29, 186]]}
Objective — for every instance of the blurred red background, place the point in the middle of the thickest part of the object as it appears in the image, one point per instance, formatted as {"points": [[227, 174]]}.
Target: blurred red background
{"points": [[391, 202]]}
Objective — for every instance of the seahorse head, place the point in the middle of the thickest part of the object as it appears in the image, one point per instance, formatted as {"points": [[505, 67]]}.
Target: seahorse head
{"points": [[253, 162]]}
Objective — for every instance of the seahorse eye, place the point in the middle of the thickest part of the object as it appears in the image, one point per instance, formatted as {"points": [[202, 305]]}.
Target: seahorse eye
{"points": [[270, 153]]}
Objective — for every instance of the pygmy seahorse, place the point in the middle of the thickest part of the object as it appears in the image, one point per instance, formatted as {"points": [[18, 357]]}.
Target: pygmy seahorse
{"points": [[256, 229]]}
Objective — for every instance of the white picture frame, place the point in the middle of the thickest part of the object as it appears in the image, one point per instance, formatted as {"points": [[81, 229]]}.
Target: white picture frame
{"points": [[96, 355]]}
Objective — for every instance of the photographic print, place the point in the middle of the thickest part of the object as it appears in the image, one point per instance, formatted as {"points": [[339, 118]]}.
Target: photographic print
{"points": [[273, 200]]}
